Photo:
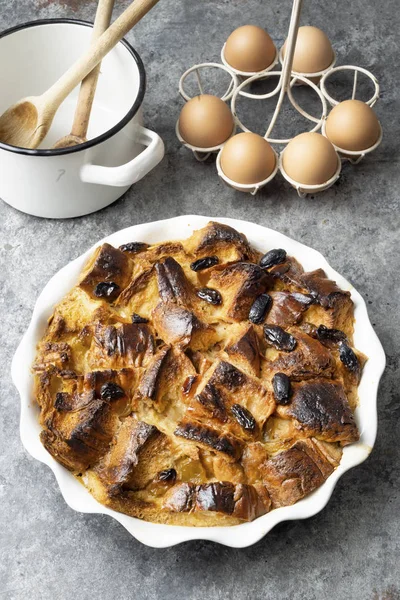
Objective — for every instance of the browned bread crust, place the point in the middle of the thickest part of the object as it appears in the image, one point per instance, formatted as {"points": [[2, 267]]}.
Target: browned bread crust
{"points": [[176, 399]]}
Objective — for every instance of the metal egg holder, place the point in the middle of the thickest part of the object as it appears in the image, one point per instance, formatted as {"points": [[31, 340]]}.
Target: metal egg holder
{"points": [[287, 79], [352, 156], [202, 154]]}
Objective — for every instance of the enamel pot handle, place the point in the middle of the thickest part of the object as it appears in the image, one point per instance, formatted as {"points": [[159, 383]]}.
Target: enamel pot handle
{"points": [[132, 171]]}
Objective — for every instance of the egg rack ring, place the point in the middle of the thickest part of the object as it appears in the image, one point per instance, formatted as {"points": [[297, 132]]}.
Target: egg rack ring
{"points": [[356, 70], [239, 91], [196, 68], [201, 154], [249, 73], [354, 156], [252, 188], [301, 110], [303, 189]]}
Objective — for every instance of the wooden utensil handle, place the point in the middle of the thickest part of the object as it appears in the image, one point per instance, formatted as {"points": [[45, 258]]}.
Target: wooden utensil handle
{"points": [[86, 63], [89, 84]]}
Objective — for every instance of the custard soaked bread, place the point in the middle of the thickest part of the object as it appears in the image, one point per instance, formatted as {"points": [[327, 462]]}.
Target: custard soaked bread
{"points": [[197, 382]]}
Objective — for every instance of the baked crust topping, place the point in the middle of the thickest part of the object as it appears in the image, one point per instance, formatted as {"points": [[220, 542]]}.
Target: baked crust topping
{"points": [[197, 382]]}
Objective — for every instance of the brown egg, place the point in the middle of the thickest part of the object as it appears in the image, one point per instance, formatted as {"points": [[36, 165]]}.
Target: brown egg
{"points": [[352, 125], [249, 49], [247, 158], [313, 52], [310, 159], [205, 121]]}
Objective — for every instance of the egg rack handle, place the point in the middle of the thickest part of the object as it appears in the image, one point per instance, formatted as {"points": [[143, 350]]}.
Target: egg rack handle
{"points": [[284, 86], [287, 63], [284, 82]]}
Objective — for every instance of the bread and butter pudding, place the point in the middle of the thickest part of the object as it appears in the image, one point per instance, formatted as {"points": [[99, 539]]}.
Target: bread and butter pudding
{"points": [[199, 382]]}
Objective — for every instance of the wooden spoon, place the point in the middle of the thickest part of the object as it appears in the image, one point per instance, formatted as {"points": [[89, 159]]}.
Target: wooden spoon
{"points": [[89, 84], [26, 123]]}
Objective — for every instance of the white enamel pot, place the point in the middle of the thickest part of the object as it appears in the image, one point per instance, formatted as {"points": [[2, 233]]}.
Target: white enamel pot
{"points": [[74, 181]]}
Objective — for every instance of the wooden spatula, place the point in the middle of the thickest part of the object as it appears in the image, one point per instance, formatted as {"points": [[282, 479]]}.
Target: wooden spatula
{"points": [[89, 84], [26, 123]]}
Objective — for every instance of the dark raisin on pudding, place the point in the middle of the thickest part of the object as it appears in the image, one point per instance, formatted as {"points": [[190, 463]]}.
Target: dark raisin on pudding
{"points": [[204, 263], [210, 295], [334, 335], [273, 257], [243, 417], [282, 388], [259, 308], [134, 247], [348, 357], [279, 338]]}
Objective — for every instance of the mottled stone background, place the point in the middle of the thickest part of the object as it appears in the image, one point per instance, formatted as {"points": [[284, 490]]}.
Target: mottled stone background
{"points": [[351, 549]]}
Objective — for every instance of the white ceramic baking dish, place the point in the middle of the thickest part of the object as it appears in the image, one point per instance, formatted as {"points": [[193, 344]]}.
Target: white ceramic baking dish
{"points": [[161, 536]]}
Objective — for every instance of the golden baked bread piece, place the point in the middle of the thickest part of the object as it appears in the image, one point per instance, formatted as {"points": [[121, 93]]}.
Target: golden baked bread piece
{"points": [[196, 382]]}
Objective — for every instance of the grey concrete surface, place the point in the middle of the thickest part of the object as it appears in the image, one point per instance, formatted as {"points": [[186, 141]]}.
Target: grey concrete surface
{"points": [[351, 549]]}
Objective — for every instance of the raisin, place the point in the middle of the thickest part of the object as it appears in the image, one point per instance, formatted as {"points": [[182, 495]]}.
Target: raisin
{"points": [[334, 335], [273, 257], [279, 338], [244, 417], [167, 475], [111, 391], [259, 308], [106, 289], [138, 319], [210, 295], [204, 263], [134, 247], [282, 388], [348, 357]]}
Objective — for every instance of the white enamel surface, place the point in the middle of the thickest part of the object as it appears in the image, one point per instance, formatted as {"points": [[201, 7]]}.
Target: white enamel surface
{"points": [[31, 60], [161, 536], [38, 56]]}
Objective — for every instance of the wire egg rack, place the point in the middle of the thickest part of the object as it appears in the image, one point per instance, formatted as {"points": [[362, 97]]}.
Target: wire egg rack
{"points": [[287, 79]]}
